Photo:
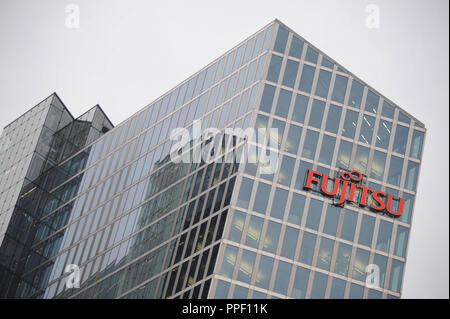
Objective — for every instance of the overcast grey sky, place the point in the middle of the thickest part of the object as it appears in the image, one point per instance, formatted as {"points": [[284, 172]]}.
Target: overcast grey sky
{"points": [[127, 53]]}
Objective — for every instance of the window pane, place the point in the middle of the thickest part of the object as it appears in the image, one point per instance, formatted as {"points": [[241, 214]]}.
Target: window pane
{"points": [[245, 192], [327, 63], [272, 236], [345, 151], [356, 291], [337, 289], [311, 55], [296, 47], [240, 292], [315, 118], [325, 252], [388, 110], [229, 260], [411, 175], [254, 231], [282, 277], [372, 101], [366, 232], [351, 119], [289, 242], [361, 158], [274, 68], [379, 161], [367, 125], [293, 139], [333, 119], [301, 174], [401, 241], [395, 170], [280, 42], [356, 94], [236, 226], [296, 210], [267, 98], [407, 208], [319, 286], [384, 134], [261, 198], [290, 73], [327, 151], [284, 101], [314, 213], [300, 282], [349, 224], [307, 249], [309, 148], [381, 262], [279, 203], [301, 103], [343, 259], [286, 170], [264, 272], [384, 236], [416, 144], [403, 118], [396, 275], [222, 289], [323, 83], [307, 78], [246, 266], [401, 137], [361, 262], [331, 220]]}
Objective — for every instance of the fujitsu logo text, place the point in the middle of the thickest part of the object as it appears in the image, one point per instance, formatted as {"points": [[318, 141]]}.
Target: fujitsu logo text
{"points": [[347, 186]]}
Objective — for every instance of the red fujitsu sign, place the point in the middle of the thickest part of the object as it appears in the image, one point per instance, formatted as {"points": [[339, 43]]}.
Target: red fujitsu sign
{"points": [[347, 186]]}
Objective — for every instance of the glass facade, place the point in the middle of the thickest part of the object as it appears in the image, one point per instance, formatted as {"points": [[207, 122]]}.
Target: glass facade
{"points": [[138, 225]]}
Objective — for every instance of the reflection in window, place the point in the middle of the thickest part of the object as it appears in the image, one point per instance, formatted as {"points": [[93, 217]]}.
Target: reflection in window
{"points": [[395, 170], [356, 94], [411, 175], [229, 259], [384, 236], [381, 262], [244, 193], [361, 158], [327, 150], [372, 101], [401, 240], [290, 73], [345, 151], [325, 252], [378, 163], [384, 134], [246, 266], [349, 128], [293, 139], [279, 203], [296, 47], [282, 277], [272, 236], [343, 259], [284, 101], [315, 118], [261, 198], [280, 42], [333, 119], [300, 283], [407, 208], [416, 144], [264, 272], [360, 264], [301, 103], [267, 98], [319, 286], [401, 137], [323, 83], [289, 242], [274, 68], [307, 78], [365, 135], [340, 86], [307, 249], [396, 275], [366, 231], [296, 210], [337, 289], [309, 148], [236, 226], [254, 231]]}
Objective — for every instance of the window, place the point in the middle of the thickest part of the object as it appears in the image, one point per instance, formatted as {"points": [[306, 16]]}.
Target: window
{"points": [[333, 119], [229, 259], [337, 289], [301, 174], [323, 83], [267, 98], [272, 236], [401, 240], [331, 220], [286, 170], [325, 252], [343, 259], [309, 148], [293, 139], [411, 175], [315, 118], [290, 73], [327, 151], [327, 63], [351, 119], [307, 249], [381, 262], [384, 236], [244, 193], [222, 289], [403, 118], [306, 79], [395, 170], [396, 275], [407, 208], [254, 231], [416, 144], [356, 94], [378, 163], [300, 282], [264, 272], [361, 262], [280, 42], [361, 158], [314, 213], [237, 226], [301, 103], [366, 231], [356, 291], [388, 110], [284, 101], [282, 277], [372, 101], [279, 203], [240, 292], [368, 122], [401, 137], [296, 210], [274, 68], [289, 242], [261, 198], [319, 286], [296, 47], [246, 266], [344, 154], [384, 134], [311, 55]]}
